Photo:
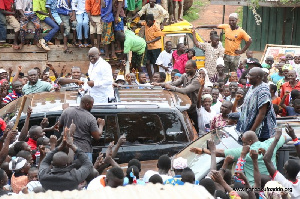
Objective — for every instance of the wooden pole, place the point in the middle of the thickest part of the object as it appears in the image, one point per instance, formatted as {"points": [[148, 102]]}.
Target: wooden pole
{"points": [[20, 112]]}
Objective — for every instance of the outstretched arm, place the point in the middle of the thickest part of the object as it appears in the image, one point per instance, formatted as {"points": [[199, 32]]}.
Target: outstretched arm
{"points": [[199, 99], [268, 156], [281, 104], [24, 130], [290, 131]]}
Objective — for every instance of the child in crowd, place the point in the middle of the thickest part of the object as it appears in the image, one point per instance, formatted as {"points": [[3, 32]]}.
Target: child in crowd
{"points": [[226, 92], [180, 58], [275, 99], [67, 15], [293, 110], [179, 10], [9, 12], [93, 9], [108, 37], [240, 69], [164, 60], [220, 75], [205, 113], [39, 7], [249, 54], [177, 76], [152, 34], [26, 11], [19, 179], [82, 19]]}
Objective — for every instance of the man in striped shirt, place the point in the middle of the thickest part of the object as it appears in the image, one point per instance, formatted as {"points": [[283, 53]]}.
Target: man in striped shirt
{"points": [[17, 92]]}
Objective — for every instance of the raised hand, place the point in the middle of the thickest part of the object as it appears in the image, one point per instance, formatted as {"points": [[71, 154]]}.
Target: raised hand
{"points": [[109, 149], [201, 81], [99, 161], [55, 127], [42, 150], [29, 111], [44, 123], [229, 159], [240, 175], [254, 154], [53, 140], [72, 129], [290, 131], [245, 149], [122, 140], [196, 150], [19, 68], [50, 66], [216, 176], [101, 122]]}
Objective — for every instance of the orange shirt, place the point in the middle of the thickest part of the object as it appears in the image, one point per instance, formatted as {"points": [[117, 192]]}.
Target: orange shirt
{"points": [[152, 33], [18, 183], [276, 101], [287, 87], [93, 6], [233, 39]]}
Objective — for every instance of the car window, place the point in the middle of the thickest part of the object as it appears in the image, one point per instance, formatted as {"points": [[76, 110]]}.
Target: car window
{"points": [[173, 127], [198, 51], [141, 128]]}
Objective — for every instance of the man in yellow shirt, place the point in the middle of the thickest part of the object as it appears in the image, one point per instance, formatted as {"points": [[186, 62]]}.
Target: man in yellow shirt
{"points": [[233, 38]]}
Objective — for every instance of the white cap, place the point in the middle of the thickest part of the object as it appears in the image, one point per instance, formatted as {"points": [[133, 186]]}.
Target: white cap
{"points": [[2, 71], [120, 77], [235, 15], [17, 163], [220, 61]]}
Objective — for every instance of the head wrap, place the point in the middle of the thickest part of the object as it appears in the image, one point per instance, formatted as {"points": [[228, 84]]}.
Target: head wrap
{"points": [[235, 15], [180, 163], [177, 75], [207, 96], [220, 61]]}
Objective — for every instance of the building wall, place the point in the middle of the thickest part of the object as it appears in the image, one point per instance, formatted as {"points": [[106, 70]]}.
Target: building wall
{"points": [[279, 26]]}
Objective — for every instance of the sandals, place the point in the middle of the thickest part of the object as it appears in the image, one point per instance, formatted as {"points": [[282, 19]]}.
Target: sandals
{"points": [[87, 45], [81, 46], [16, 47]]}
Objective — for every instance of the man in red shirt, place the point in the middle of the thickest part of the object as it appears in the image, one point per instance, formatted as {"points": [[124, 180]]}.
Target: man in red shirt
{"points": [[35, 132], [292, 84]]}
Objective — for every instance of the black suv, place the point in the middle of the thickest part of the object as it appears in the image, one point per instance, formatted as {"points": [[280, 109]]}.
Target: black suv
{"points": [[154, 121]]}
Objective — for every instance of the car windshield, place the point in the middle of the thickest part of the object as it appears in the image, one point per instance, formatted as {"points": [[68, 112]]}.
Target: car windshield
{"points": [[224, 138]]}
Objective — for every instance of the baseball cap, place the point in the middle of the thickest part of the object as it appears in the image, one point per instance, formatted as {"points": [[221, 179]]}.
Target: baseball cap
{"points": [[254, 61], [2, 71], [17, 163]]}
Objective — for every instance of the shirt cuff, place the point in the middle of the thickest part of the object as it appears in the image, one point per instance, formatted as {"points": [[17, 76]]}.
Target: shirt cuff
{"points": [[273, 177]]}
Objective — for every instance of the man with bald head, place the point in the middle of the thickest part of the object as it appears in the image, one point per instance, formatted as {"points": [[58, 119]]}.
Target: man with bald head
{"points": [[257, 113], [87, 125], [35, 85], [292, 84], [190, 87], [54, 172], [250, 142], [101, 79]]}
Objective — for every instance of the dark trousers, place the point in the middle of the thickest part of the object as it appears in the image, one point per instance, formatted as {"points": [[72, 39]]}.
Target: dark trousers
{"points": [[194, 116], [2, 27]]}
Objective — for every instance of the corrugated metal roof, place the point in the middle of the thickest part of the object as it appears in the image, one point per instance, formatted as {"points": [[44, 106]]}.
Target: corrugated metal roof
{"points": [[149, 191]]}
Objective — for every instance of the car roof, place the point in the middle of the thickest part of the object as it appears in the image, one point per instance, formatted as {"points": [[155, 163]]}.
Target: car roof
{"points": [[125, 98]]}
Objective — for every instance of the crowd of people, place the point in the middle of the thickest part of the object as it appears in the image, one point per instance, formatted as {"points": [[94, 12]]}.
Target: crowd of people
{"points": [[226, 91]]}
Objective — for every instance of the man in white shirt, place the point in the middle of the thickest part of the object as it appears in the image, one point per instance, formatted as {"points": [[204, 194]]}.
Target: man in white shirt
{"points": [[101, 79], [164, 60]]}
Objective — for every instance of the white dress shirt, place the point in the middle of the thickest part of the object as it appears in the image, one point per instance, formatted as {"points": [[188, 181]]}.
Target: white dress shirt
{"points": [[101, 74]]}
